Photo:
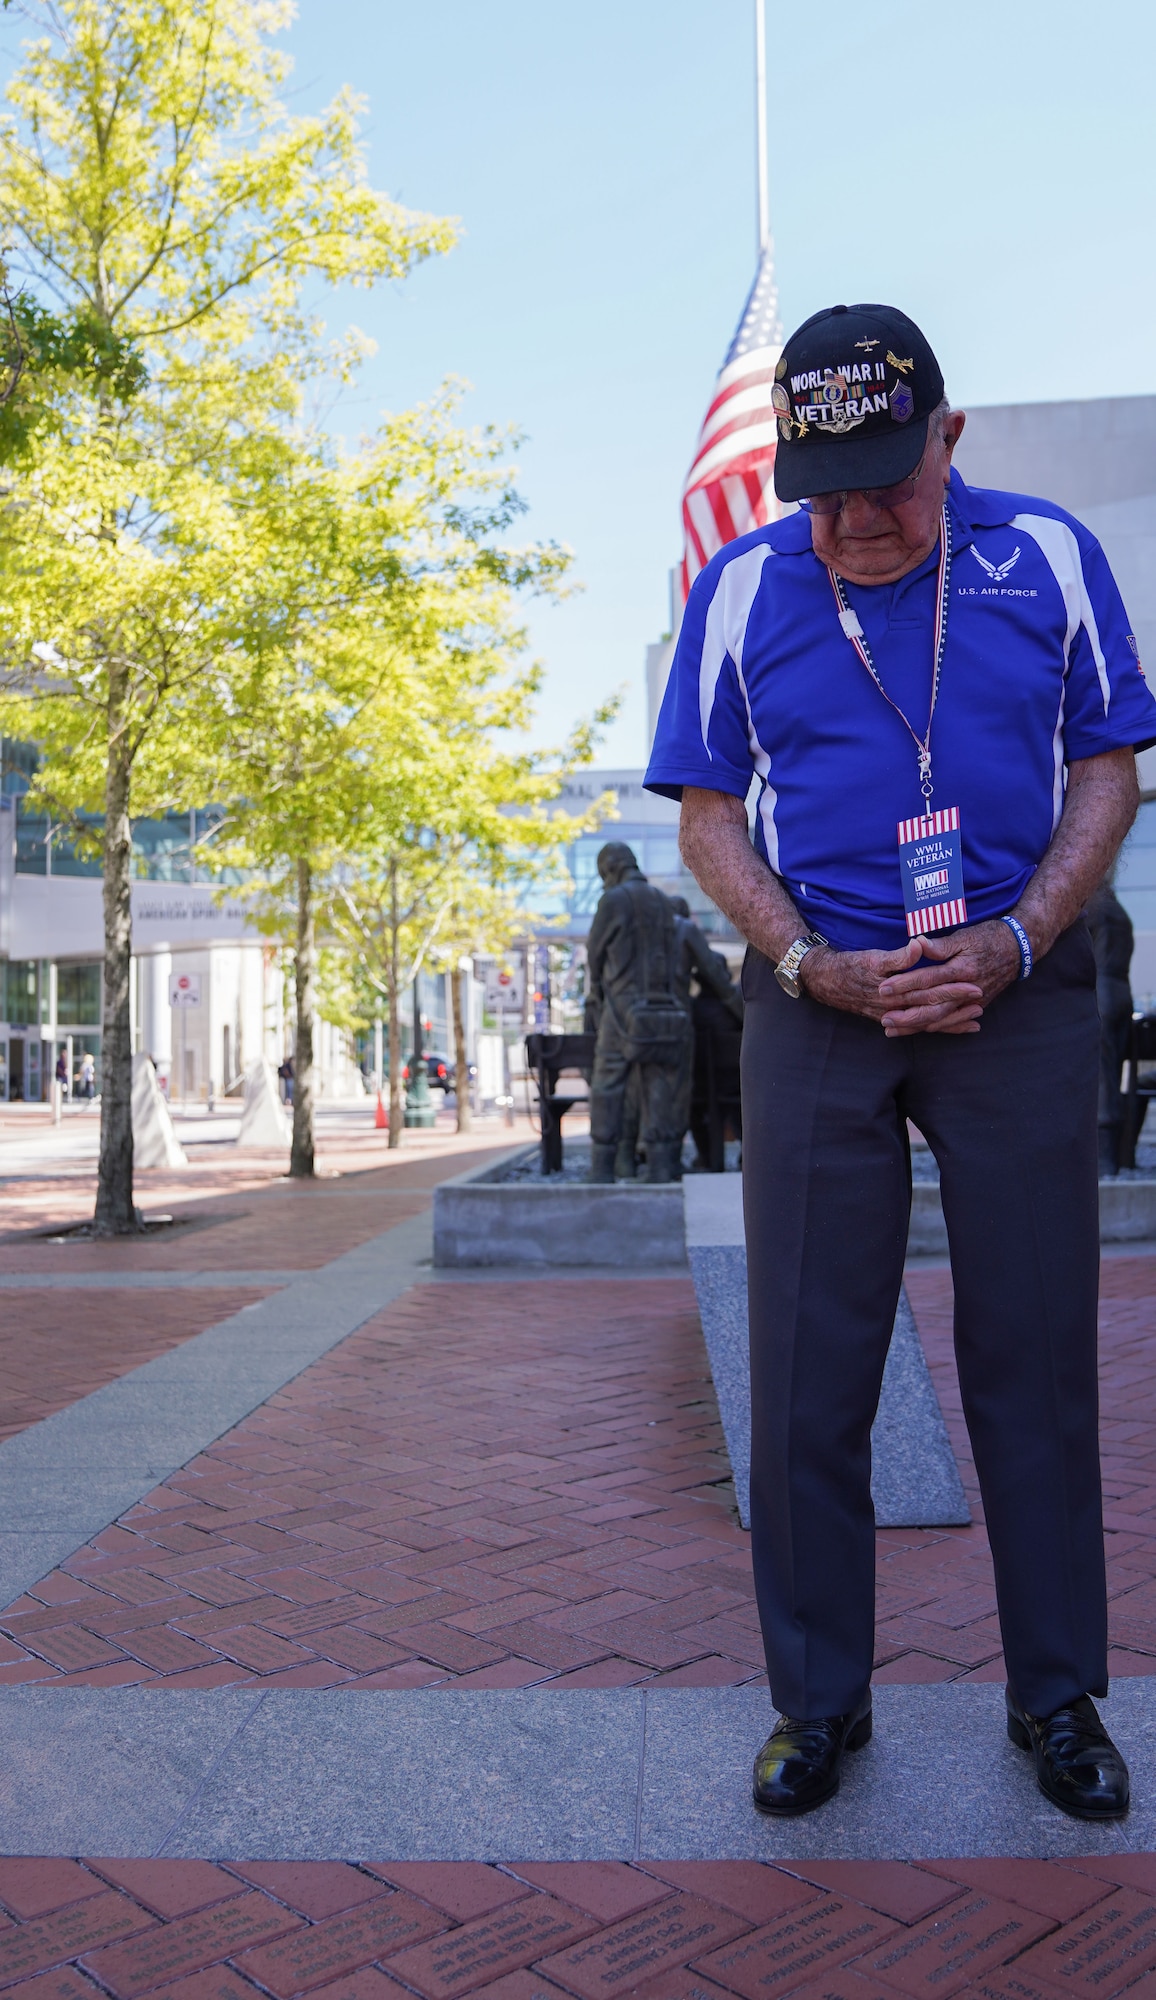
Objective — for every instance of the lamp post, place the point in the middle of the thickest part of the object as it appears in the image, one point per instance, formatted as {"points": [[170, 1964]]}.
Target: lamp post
{"points": [[419, 1110]]}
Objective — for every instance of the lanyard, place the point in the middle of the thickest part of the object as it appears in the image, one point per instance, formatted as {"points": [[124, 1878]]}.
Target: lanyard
{"points": [[858, 638]]}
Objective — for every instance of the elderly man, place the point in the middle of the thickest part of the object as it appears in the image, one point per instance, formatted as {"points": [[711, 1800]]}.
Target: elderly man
{"points": [[939, 695]]}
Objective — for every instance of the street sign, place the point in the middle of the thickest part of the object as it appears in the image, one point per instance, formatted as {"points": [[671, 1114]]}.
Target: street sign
{"points": [[505, 989], [185, 989]]}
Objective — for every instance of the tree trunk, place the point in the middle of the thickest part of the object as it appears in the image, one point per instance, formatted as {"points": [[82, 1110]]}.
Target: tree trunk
{"points": [[305, 970], [461, 1062], [393, 981], [115, 1212]]}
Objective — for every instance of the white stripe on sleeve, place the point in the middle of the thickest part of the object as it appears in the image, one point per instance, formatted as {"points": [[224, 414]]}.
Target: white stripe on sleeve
{"points": [[726, 627], [1061, 551]]}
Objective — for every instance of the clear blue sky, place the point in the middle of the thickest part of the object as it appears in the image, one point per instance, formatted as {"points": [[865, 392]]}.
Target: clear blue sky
{"points": [[987, 166]]}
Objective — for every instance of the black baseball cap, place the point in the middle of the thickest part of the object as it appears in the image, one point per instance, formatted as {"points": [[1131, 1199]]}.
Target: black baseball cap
{"points": [[854, 387]]}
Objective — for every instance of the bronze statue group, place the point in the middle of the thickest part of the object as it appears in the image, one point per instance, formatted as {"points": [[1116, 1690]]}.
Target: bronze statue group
{"points": [[667, 1017]]}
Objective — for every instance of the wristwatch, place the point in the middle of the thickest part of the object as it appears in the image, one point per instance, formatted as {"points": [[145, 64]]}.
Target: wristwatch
{"points": [[787, 969]]}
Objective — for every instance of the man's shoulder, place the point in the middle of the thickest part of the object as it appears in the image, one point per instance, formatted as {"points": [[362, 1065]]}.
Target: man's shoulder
{"points": [[992, 507]]}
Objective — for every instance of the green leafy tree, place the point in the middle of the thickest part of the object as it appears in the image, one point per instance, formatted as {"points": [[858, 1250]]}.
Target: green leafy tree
{"points": [[155, 189], [470, 887], [361, 740]]}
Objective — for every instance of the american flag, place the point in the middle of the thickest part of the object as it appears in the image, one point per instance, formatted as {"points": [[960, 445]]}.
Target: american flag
{"points": [[730, 486]]}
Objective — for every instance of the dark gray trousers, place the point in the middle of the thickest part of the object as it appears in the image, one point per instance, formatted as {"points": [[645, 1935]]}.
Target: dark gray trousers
{"points": [[1010, 1114]]}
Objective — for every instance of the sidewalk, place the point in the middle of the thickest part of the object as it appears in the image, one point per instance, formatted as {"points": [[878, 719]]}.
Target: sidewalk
{"points": [[508, 1483], [511, 1492]]}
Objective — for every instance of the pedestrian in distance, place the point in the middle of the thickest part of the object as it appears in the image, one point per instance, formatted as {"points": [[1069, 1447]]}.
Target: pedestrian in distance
{"points": [[285, 1072], [939, 693], [87, 1075]]}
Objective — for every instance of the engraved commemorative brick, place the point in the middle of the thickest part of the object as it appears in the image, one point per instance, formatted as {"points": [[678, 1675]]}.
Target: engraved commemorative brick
{"points": [[480, 1952], [218, 1982], [340, 1944], [368, 1984], [652, 1942], [955, 1947], [797, 1949], [66, 1933], [681, 1985], [171, 1951], [63, 1984], [1013, 1984], [1098, 1953], [844, 1985]]}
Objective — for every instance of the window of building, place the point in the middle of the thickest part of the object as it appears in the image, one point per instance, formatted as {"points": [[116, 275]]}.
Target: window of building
{"points": [[78, 996], [66, 858], [20, 986], [31, 841]]}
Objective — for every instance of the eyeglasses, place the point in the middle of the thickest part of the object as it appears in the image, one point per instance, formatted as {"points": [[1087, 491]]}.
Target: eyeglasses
{"points": [[875, 496]]}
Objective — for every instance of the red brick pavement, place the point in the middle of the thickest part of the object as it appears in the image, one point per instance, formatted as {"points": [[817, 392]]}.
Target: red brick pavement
{"points": [[58, 1345], [873, 1930], [954, 1635], [498, 1485], [245, 1215]]}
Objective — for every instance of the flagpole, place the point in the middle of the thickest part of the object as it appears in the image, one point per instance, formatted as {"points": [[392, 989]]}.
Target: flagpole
{"points": [[761, 125]]}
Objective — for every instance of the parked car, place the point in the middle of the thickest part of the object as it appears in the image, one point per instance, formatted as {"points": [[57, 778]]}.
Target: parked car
{"points": [[440, 1070]]}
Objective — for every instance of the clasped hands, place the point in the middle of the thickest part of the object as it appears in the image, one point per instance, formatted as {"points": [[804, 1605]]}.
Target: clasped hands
{"points": [[933, 986]]}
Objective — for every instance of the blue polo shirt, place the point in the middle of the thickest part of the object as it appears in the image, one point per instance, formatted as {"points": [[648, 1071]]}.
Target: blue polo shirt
{"points": [[1040, 669]]}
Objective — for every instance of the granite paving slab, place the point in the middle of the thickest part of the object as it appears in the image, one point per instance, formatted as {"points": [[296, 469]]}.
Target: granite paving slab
{"points": [[939, 1777], [527, 1774], [89, 1771], [431, 1775], [915, 1481]]}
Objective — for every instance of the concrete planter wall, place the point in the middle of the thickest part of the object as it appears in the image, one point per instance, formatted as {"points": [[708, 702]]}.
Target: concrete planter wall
{"points": [[482, 1220], [1127, 1215]]}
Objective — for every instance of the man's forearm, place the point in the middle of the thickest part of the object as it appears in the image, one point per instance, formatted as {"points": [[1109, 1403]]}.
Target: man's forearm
{"points": [[715, 843], [1099, 808]]}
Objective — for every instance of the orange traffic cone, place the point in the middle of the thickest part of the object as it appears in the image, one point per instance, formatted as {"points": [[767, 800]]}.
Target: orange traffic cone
{"points": [[379, 1118]]}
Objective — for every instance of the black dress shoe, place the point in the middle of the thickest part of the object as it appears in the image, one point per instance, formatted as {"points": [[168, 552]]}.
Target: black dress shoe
{"points": [[798, 1765], [1078, 1766]]}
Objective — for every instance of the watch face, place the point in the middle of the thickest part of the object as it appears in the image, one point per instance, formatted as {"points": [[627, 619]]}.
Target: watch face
{"points": [[788, 979]]}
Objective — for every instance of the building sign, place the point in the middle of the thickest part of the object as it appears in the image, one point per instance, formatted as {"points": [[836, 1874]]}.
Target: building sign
{"points": [[174, 913], [185, 989]]}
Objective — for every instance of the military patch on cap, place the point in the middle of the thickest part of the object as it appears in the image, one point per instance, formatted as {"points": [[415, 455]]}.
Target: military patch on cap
{"points": [[838, 399], [858, 386]]}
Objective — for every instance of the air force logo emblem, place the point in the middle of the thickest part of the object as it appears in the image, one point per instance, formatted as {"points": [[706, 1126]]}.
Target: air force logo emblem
{"points": [[996, 571]]}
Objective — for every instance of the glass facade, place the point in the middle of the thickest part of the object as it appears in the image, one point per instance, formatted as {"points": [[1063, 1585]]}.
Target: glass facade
{"points": [[20, 992], [78, 995], [164, 850]]}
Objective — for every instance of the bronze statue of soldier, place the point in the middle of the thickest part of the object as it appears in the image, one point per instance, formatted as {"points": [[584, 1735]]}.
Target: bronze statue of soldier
{"points": [[633, 961]]}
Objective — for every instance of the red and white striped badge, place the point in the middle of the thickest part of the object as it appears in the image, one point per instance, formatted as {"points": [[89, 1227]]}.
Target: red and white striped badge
{"points": [[931, 864]]}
